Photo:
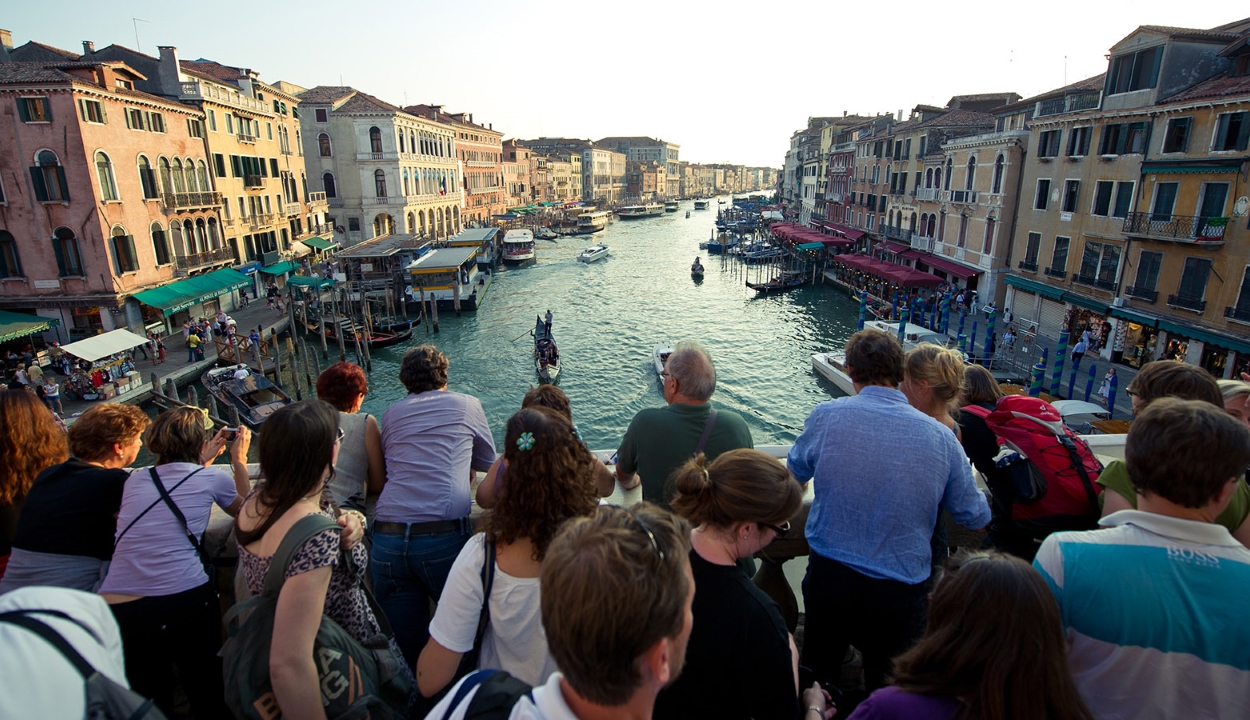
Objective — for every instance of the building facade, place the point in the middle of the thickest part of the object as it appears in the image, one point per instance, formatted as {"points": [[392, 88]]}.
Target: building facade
{"points": [[480, 150]]}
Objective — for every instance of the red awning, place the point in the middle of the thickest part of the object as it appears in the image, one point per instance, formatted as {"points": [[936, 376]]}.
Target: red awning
{"points": [[911, 255], [836, 241], [950, 266], [893, 248]]}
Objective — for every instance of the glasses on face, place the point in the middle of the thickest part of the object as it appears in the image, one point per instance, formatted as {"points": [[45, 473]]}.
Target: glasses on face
{"points": [[655, 544], [340, 437], [665, 374], [1131, 392], [781, 530]]}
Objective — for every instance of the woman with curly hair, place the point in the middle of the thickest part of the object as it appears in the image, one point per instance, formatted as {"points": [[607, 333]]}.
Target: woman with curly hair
{"points": [[546, 484], [30, 442]]}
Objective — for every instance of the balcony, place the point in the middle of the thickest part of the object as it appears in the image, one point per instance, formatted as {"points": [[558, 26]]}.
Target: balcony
{"points": [[245, 137], [253, 181], [291, 209], [920, 242], [898, 234], [256, 222], [1027, 266], [1237, 314], [1146, 294], [316, 197], [833, 197], [1185, 302], [1193, 229], [198, 260], [384, 200], [927, 194], [190, 201], [377, 156], [1070, 103], [1093, 281], [1057, 273], [966, 197]]}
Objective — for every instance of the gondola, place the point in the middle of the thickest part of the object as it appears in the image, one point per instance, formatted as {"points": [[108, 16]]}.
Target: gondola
{"points": [[377, 339], [781, 283], [546, 354], [253, 396]]}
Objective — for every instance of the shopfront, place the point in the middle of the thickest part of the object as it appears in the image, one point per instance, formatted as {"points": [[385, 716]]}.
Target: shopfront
{"points": [[1135, 337], [196, 296], [1220, 355]]}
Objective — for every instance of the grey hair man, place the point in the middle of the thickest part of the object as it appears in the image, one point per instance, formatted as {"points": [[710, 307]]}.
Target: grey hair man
{"points": [[660, 440]]}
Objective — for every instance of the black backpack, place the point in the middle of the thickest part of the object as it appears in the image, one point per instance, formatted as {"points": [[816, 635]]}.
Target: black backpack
{"points": [[106, 699], [497, 693]]}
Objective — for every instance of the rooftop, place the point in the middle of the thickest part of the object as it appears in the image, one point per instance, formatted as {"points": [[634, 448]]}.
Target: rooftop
{"points": [[326, 94], [382, 247]]}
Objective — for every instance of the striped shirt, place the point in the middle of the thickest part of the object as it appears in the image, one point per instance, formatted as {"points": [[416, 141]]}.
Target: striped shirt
{"points": [[1154, 611]]}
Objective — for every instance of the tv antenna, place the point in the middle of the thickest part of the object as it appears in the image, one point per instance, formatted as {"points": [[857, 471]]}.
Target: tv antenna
{"points": [[135, 21]]}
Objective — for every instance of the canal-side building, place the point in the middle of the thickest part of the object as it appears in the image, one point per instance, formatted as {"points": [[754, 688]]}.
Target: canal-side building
{"points": [[646, 149], [517, 174], [104, 193], [645, 180], [1132, 210], [480, 151], [603, 175], [564, 168], [867, 183]]}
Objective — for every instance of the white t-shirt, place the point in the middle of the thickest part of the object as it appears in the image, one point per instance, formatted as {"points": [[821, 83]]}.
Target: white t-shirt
{"points": [[514, 640], [547, 703], [35, 678]]}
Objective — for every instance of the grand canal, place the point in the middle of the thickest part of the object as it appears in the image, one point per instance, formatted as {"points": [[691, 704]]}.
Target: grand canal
{"points": [[609, 315]]}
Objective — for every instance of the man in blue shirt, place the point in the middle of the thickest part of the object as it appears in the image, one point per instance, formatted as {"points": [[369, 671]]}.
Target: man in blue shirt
{"points": [[882, 471]]}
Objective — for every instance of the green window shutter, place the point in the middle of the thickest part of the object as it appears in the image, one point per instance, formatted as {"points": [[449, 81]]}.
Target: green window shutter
{"points": [[236, 166], [132, 256], [60, 256], [273, 167], [60, 176], [47, 108], [104, 116], [36, 181], [23, 112], [82, 108], [1243, 136]]}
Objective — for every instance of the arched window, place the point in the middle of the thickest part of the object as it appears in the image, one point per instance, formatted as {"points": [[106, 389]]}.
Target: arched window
{"points": [[180, 183], [65, 246], [911, 225], [950, 167], [411, 227], [160, 243], [201, 235], [213, 237], [175, 239], [323, 144], [971, 177], [123, 247], [379, 183], [421, 221], [104, 171], [401, 141], [201, 170], [48, 177], [941, 230], [10, 263], [188, 232], [456, 211], [147, 178], [989, 236], [406, 193], [327, 184], [375, 140], [167, 183], [932, 224], [998, 175]]}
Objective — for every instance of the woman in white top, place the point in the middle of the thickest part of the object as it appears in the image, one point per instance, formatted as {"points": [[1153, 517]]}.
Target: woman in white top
{"points": [[548, 478], [157, 586]]}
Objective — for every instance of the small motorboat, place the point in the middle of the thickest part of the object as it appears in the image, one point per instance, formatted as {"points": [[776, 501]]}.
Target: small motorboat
{"points": [[832, 367], [546, 234], [252, 395], [546, 354], [687, 213], [593, 253], [671, 206], [659, 356]]}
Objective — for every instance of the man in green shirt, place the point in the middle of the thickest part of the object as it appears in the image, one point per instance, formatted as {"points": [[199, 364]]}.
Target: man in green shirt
{"points": [[661, 440]]}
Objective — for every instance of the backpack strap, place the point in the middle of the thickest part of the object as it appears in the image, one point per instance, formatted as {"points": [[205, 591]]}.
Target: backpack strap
{"points": [[470, 682], [1092, 494], [979, 410], [23, 619], [488, 582], [304, 529], [707, 433], [496, 697]]}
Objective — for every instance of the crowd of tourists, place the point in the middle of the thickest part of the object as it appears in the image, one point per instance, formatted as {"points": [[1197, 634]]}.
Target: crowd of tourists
{"points": [[370, 586]]}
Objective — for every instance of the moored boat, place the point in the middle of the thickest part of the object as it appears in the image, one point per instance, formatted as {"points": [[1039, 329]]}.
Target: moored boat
{"points": [[593, 253], [593, 221], [252, 395], [784, 281], [544, 233], [546, 354], [518, 246], [832, 367]]}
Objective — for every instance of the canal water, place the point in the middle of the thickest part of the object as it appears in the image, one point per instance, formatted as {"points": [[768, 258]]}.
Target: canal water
{"points": [[609, 315]]}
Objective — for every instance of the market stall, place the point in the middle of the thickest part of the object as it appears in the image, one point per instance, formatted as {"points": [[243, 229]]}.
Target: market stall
{"points": [[105, 368]]}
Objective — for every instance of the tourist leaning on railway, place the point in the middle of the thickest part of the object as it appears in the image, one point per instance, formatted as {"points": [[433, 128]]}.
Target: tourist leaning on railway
{"points": [[433, 440], [1153, 606], [65, 532], [741, 661], [661, 440], [359, 468], [874, 512], [31, 440]]}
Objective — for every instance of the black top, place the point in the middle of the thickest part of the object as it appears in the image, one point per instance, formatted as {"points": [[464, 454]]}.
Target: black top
{"points": [[71, 509], [980, 443], [738, 662]]}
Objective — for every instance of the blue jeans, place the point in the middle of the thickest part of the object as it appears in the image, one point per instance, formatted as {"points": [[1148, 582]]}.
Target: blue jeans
{"points": [[409, 572]]}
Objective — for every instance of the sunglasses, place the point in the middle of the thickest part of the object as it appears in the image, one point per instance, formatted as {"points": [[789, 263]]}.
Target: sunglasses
{"points": [[655, 544], [341, 435], [781, 530]]}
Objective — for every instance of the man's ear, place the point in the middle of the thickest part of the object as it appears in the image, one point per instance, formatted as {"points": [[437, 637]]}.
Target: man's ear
{"points": [[657, 662]]}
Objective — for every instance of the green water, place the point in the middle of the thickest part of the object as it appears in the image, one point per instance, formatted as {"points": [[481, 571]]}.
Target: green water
{"points": [[609, 315]]}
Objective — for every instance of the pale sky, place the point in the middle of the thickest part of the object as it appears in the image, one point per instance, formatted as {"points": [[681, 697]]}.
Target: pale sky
{"points": [[728, 82]]}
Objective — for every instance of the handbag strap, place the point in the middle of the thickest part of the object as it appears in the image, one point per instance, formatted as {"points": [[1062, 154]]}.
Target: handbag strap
{"points": [[488, 582], [707, 433], [23, 619], [182, 519], [145, 511], [301, 532]]}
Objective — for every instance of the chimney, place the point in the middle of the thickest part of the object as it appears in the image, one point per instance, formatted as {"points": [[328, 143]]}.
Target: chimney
{"points": [[169, 72], [6, 44], [843, 113], [900, 115], [88, 48]]}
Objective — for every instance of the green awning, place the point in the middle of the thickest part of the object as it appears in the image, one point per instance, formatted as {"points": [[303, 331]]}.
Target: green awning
{"points": [[178, 296], [280, 268], [1134, 316], [811, 246], [1081, 301], [15, 325], [1035, 287], [317, 243], [1195, 166], [309, 281], [1209, 337]]}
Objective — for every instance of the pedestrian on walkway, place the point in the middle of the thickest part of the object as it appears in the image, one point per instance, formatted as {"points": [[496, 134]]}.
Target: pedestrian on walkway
{"points": [[193, 347], [1104, 390], [160, 350], [1078, 352]]}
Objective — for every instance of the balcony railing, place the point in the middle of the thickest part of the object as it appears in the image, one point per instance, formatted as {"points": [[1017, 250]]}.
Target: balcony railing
{"points": [[316, 197], [920, 242], [966, 197], [1240, 314], [187, 201], [256, 222], [253, 181], [377, 156], [1187, 303], [1057, 273], [291, 209], [1027, 266], [929, 194], [898, 234], [833, 197], [1093, 281], [246, 137], [196, 260], [1146, 294], [1070, 103], [1177, 228]]}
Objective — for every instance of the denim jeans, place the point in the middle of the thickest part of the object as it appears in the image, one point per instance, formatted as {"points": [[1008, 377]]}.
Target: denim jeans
{"points": [[409, 572]]}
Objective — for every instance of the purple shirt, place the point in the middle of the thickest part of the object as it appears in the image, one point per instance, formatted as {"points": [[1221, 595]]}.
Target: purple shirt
{"points": [[155, 558], [431, 441], [890, 703]]}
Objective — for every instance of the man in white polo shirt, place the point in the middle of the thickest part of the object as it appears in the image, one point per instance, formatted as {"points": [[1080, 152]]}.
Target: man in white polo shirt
{"points": [[1154, 606]]}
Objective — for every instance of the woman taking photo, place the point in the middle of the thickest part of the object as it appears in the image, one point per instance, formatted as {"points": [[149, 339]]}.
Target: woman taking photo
{"points": [[297, 454], [30, 442], [65, 532], [741, 661], [546, 482], [158, 585], [359, 470], [971, 663]]}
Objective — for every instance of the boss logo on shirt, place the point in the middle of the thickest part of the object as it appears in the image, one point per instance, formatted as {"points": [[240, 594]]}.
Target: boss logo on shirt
{"points": [[1193, 557]]}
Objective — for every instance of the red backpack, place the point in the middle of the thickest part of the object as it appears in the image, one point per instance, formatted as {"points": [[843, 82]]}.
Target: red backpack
{"points": [[1046, 473]]}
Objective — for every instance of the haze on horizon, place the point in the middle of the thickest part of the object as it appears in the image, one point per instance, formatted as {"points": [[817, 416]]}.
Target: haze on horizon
{"points": [[728, 82]]}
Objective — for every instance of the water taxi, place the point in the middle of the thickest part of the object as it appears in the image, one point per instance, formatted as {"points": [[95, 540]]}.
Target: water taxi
{"points": [[592, 222], [633, 212], [701, 204], [518, 246], [252, 395], [671, 206], [593, 253]]}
